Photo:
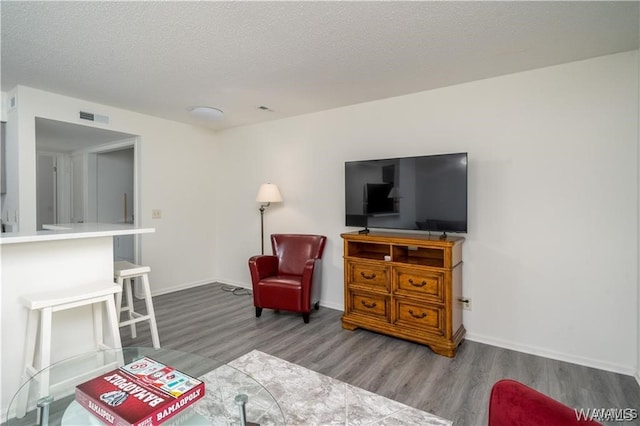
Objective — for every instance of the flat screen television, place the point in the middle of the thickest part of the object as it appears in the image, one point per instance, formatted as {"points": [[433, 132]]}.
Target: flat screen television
{"points": [[426, 193]]}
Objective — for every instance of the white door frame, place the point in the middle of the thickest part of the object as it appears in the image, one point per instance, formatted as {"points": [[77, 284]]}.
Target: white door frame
{"points": [[90, 213]]}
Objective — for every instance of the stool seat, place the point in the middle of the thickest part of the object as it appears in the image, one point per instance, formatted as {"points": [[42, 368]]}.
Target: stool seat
{"points": [[41, 307], [123, 272], [125, 269], [70, 295]]}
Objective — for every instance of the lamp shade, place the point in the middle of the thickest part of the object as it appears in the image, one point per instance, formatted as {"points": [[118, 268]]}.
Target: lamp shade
{"points": [[268, 193]]}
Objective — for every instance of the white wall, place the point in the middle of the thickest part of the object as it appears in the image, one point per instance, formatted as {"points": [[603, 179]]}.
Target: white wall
{"points": [[3, 107], [175, 176], [551, 257], [10, 200]]}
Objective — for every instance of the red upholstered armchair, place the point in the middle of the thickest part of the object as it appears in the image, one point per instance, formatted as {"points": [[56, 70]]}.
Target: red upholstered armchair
{"points": [[513, 404], [289, 280]]}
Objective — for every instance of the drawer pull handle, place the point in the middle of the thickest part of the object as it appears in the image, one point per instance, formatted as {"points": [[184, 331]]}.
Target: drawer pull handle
{"points": [[422, 284], [368, 277], [370, 306], [422, 315]]}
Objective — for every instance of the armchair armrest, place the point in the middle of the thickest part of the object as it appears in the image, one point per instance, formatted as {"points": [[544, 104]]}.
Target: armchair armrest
{"points": [[262, 266], [310, 281]]}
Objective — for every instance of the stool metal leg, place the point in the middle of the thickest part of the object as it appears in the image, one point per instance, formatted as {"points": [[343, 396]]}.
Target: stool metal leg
{"points": [[150, 311], [241, 402], [42, 415]]}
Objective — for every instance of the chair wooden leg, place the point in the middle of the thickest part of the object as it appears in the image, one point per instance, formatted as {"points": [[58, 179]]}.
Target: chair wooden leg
{"points": [[305, 318], [316, 306], [258, 312]]}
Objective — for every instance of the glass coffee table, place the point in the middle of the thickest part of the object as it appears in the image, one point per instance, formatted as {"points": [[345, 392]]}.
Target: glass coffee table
{"points": [[231, 396]]}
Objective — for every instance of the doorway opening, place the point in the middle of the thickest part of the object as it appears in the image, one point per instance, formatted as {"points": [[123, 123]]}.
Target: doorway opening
{"points": [[87, 174]]}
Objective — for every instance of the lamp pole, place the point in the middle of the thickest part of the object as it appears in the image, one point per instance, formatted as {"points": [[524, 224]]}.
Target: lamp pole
{"points": [[262, 207]]}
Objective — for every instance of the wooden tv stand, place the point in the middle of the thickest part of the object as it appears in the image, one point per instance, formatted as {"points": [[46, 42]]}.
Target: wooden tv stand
{"points": [[405, 285]]}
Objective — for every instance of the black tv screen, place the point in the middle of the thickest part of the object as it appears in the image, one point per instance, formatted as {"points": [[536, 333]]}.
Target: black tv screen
{"points": [[427, 193]]}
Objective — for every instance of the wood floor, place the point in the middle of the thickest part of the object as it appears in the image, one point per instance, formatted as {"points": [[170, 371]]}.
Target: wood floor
{"points": [[211, 322]]}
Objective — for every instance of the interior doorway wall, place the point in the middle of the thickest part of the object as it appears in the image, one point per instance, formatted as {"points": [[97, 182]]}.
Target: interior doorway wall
{"points": [[47, 188], [114, 189], [95, 172]]}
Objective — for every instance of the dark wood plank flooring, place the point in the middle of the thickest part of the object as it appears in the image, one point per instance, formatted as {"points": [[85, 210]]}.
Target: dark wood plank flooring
{"points": [[211, 322]]}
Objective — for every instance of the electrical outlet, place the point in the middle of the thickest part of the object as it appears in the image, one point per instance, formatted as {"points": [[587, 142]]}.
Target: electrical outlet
{"points": [[466, 303], [156, 214]]}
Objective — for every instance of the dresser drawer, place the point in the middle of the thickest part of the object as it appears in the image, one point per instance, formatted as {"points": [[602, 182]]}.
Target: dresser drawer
{"points": [[423, 316], [370, 305], [369, 275], [427, 284]]}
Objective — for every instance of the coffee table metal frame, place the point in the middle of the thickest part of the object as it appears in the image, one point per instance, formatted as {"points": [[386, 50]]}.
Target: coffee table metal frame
{"points": [[58, 407]]}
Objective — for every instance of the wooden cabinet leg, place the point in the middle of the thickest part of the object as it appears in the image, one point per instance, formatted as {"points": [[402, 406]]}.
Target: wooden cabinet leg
{"points": [[348, 326]]}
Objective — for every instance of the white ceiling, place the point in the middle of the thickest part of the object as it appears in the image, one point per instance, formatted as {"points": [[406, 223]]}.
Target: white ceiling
{"points": [[297, 57]]}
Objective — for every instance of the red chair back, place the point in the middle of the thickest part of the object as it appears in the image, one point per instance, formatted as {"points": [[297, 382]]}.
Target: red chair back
{"points": [[293, 251]]}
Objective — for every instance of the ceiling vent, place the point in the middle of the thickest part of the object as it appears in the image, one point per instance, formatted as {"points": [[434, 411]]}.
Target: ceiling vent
{"points": [[94, 117]]}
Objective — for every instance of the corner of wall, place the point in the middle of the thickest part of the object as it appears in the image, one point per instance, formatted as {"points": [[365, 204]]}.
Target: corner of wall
{"points": [[3, 107], [637, 375]]}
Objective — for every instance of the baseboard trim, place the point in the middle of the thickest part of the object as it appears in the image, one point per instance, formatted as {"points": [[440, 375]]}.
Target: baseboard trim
{"points": [[179, 287], [234, 283], [560, 356], [637, 377], [331, 305], [248, 286]]}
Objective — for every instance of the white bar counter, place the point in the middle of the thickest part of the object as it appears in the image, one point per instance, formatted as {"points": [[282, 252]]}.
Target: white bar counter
{"points": [[60, 257], [72, 231]]}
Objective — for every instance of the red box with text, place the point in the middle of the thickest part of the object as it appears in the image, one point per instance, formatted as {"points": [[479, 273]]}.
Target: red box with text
{"points": [[141, 393]]}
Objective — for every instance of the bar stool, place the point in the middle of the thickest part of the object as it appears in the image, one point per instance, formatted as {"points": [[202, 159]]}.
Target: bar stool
{"points": [[39, 323], [123, 272]]}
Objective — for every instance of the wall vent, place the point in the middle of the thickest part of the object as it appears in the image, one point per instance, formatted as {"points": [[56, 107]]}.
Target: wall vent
{"points": [[86, 116], [94, 117]]}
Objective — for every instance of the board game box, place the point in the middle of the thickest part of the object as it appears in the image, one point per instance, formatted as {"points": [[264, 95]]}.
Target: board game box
{"points": [[142, 393]]}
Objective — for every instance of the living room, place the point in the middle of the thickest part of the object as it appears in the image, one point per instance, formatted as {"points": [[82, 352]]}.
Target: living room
{"points": [[551, 256]]}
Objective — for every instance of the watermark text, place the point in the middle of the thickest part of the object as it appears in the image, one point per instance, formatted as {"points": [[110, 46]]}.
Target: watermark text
{"points": [[607, 414]]}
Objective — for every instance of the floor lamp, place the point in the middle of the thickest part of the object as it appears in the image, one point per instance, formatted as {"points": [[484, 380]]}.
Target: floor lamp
{"points": [[267, 194]]}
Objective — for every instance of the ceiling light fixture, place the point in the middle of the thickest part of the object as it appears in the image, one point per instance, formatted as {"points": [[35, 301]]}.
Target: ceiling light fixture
{"points": [[205, 112]]}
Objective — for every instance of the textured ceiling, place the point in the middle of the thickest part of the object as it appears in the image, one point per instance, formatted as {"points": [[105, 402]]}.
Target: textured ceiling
{"points": [[159, 58]]}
